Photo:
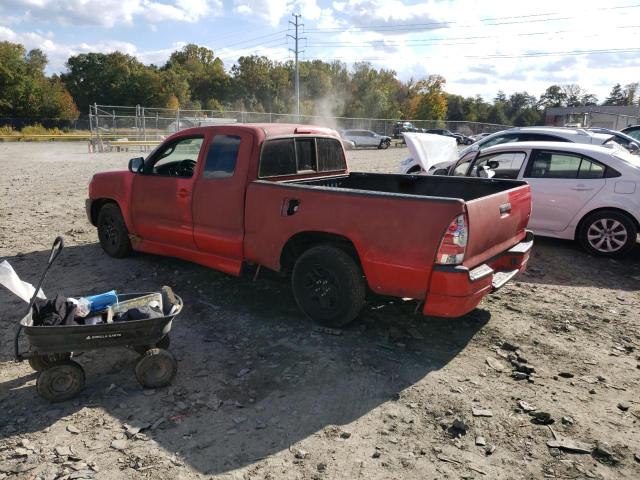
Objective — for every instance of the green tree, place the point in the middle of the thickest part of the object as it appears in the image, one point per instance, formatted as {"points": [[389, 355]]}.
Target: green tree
{"points": [[553, 96], [431, 101]]}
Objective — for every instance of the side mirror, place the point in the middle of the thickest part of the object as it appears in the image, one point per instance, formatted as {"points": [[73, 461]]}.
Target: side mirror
{"points": [[136, 165], [634, 147]]}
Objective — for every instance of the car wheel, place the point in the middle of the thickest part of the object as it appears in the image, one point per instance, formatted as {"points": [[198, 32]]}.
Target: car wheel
{"points": [[328, 286], [384, 144], [608, 233], [112, 232]]}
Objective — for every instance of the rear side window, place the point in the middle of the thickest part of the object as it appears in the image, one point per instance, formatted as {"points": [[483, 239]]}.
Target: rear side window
{"points": [[563, 165], [288, 156], [278, 158], [222, 156]]}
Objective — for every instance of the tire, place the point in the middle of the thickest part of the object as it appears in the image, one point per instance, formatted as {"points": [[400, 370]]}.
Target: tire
{"points": [[156, 368], [608, 233], [328, 286], [384, 145], [112, 232], [61, 382], [164, 343], [42, 362]]}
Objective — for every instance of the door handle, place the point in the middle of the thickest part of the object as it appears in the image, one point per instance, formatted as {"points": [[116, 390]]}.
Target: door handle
{"points": [[292, 206], [581, 188], [183, 193]]}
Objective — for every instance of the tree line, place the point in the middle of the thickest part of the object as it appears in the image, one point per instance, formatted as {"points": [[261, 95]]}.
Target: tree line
{"points": [[195, 78]]}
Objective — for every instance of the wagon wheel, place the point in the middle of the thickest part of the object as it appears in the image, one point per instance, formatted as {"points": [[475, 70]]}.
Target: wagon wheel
{"points": [[164, 343], [156, 368], [61, 382], [42, 362]]}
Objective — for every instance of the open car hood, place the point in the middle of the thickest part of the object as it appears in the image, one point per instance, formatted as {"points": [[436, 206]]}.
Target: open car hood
{"points": [[428, 149]]}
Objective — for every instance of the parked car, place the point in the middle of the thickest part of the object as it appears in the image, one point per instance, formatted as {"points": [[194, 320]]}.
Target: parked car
{"points": [[460, 138], [584, 192], [539, 134], [366, 138], [633, 131], [521, 134], [401, 127], [280, 196], [480, 136], [620, 138]]}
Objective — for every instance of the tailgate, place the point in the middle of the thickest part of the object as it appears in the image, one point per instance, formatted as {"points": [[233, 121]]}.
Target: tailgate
{"points": [[496, 223]]}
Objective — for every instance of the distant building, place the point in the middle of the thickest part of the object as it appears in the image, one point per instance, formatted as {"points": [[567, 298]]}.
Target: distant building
{"points": [[613, 117]]}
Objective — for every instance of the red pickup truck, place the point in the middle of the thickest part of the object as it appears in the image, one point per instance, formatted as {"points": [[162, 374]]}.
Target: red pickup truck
{"points": [[280, 196]]}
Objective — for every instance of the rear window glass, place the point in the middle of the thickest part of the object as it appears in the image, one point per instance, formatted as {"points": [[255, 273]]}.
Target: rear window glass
{"points": [[282, 156], [222, 156], [330, 155], [278, 158], [590, 169], [306, 154]]}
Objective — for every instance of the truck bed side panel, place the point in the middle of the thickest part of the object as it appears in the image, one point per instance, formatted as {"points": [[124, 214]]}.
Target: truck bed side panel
{"points": [[396, 237], [496, 223]]}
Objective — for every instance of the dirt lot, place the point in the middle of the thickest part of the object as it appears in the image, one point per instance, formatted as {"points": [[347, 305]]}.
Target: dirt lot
{"points": [[262, 394]]}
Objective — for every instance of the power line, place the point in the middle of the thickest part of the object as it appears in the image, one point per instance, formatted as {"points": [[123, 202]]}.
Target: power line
{"points": [[437, 41], [438, 25], [500, 56]]}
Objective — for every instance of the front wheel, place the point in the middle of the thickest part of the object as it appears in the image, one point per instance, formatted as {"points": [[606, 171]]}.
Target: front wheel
{"points": [[112, 232], [384, 145], [608, 233], [328, 286], [61, 382]]}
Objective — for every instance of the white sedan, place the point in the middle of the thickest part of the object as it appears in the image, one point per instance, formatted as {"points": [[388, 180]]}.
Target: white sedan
{"points": [[584, 192]]}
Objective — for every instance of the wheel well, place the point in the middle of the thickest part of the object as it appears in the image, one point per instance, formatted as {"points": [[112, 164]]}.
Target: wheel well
{"points": [[614, 209], [96, 205], [414, 169], [303, 241]]}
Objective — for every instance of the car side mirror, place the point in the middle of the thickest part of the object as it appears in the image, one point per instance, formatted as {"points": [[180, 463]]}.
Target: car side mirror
{"points": [[136, 165], [441, 171], [634, 147]]}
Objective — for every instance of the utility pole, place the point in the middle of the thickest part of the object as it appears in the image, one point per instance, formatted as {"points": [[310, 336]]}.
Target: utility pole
{"points": [[297, 24]]}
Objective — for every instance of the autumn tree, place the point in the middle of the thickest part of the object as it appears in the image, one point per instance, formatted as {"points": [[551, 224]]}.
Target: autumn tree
{"points": [[431, 101]]}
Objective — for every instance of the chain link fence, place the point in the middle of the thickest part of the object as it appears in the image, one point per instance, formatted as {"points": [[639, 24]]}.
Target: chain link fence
{"points": [[115, 126]]}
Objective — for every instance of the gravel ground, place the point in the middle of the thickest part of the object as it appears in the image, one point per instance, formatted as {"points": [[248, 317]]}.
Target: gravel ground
{"points": [[262, 394]]}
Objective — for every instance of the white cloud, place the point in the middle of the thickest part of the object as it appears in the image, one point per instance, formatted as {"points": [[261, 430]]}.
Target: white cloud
{"points": [[110, 13], [273, 11]]}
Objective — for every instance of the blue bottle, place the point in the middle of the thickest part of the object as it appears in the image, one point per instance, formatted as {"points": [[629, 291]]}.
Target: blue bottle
{"points": [[102, 301]]}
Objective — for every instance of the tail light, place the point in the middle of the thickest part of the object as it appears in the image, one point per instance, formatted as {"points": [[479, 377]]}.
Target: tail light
{"points": [[454, 242]]}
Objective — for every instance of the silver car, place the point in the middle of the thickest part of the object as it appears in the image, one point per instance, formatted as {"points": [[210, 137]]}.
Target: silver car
{"points": [[366, 138]]}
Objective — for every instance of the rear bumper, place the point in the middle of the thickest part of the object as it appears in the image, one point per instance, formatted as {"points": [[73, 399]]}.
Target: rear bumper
{"points": [[456, 290]]}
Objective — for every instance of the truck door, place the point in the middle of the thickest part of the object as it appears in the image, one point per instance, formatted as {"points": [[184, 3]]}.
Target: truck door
{"points": [[218, 199], [561, 184], [161, 195]]}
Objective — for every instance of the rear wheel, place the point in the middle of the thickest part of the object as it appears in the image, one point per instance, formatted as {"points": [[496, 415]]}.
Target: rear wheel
{"points": [[608, 233], [112, 232], [61, 382], [328, 285], [156, 368]]}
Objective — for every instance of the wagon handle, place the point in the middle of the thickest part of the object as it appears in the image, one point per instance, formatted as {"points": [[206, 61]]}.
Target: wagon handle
{"points": [[56, 248]]}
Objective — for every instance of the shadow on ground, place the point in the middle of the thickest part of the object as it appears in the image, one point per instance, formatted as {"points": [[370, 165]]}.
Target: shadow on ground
{"points": [[565, 263], [254, 375]]}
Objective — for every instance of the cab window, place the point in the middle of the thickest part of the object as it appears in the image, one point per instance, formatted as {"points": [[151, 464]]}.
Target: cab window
{"points": [[289, 156], [177, 159], [222, 156]]}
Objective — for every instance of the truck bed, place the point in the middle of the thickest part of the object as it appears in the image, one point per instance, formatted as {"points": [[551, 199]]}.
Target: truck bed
{"points": [[463, 188]]}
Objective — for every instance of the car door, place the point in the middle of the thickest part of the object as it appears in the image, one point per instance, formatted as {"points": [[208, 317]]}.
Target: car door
{"points": [[161, 194], [218, 198], [561, 184], [372, 139]]}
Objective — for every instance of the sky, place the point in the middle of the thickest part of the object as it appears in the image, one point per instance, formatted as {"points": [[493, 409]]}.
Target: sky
{"points": [[479, 47]]}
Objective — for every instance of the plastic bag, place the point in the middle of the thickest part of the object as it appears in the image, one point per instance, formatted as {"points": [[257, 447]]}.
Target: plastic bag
{"points": [[10, 280]]}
